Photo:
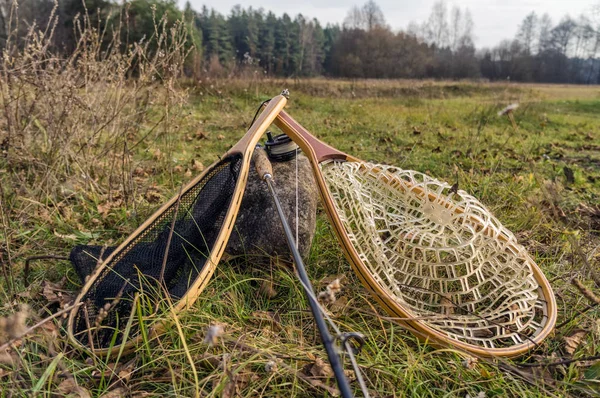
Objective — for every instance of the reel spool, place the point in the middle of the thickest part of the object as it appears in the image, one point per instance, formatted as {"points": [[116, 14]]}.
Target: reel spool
{"points": [[280, 148]]}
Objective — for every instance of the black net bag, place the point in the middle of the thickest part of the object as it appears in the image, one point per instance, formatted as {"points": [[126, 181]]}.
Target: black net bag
{"points": [[168, 259]]}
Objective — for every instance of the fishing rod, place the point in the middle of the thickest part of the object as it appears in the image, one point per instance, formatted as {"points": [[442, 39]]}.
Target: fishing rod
{"points": [[265, 171]]}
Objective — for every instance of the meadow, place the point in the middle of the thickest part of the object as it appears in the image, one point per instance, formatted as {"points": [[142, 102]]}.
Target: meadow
{"points": [[87, 163]]}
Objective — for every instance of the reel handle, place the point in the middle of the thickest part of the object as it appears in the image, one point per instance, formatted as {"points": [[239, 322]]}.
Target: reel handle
{"points": [[262, 163]]}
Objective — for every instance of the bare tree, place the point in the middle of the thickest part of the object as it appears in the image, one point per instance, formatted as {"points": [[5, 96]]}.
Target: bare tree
{"points": [[544, 37], [460, 29], [583, 36], [455, 28], [415, 29], [528, 33], [467, 38], [368, 17], [562, 34], [595, 47], [354, 19], [438, 24], [373, 15]]}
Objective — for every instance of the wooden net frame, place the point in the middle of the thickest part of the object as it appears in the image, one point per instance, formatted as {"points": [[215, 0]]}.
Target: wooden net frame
{"points": [[439, 254], [110, 323], [435, 258]]}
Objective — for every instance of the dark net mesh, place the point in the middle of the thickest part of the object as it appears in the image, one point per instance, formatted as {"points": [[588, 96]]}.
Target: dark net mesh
{"points": [[107, 305]]}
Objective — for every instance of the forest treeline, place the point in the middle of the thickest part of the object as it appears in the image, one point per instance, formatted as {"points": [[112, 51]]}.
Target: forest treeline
{"points": [[364, 46]]}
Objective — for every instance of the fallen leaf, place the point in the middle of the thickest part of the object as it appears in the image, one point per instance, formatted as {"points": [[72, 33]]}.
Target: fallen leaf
{"points": [[339, 304], [54, 293], [126, 370], [335, 286], [326, 297], [69, 387], [197, 165], [142, 394], [47, 333], [540, 372], [63, 236], [318, 368], [103, 209], [574, 340], [139, 172], [334, 392], [237, 380], [152, 194], [14, 326], [469, 363], [266, 289], [331, 278], [8, 358]]}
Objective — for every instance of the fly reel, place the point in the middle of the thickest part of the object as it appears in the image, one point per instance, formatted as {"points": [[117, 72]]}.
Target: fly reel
{"points": [[280, 148]]}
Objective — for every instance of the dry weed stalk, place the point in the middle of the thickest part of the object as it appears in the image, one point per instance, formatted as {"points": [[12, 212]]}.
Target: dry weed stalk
{"points": [[69, 123]]}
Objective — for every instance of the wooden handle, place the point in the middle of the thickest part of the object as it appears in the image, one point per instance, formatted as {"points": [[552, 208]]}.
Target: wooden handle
{"points": [[262, 163]]}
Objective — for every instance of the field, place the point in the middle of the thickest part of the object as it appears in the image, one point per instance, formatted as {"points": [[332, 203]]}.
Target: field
{"points": [[540, 177]]}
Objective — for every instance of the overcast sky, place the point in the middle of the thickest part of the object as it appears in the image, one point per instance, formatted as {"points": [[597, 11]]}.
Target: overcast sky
{"points": [[494, 19]]}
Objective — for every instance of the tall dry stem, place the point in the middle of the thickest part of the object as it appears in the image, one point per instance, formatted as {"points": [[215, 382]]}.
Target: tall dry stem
{"points": [[68, 123]]}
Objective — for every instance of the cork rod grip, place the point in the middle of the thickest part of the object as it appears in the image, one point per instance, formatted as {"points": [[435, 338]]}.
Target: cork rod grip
{"points": [[262, 163]]}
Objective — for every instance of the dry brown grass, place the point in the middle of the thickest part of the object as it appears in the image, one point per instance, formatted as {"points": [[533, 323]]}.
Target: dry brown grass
{"points": [[69, 124]]}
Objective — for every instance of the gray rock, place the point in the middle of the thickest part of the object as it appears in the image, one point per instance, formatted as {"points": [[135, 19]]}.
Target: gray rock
{"points": [[258, 229]]}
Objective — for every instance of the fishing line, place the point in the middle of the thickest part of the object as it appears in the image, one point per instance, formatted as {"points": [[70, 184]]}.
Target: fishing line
{"points": [[297, 217], [258, 111], [265, 172]]}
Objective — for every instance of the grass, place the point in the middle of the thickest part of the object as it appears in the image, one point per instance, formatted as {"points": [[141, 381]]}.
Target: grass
{"points": [[112, 168], [518, 174]]}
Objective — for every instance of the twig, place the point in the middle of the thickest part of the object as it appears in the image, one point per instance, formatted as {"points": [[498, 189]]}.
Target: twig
{"points": [[589, 307], [89, 327], [313, 382], [334, 392], [558, 363], [237, 344], [6, 265], [529, 379], [583, 257], [164, 264], [32, 258], [587, 293]]}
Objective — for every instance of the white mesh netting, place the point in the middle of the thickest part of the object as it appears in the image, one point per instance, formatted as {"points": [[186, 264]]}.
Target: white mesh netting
{"points": [[440, 254]]}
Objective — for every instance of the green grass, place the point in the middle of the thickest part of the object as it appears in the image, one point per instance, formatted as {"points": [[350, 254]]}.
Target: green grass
{"points": [[448, 130]]}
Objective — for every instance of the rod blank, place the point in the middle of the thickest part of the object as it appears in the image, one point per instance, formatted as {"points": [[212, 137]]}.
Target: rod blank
{"points": [[265, 171]]}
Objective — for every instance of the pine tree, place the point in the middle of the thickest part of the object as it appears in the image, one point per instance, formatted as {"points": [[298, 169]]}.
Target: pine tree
{"points": [[266, 46]]}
